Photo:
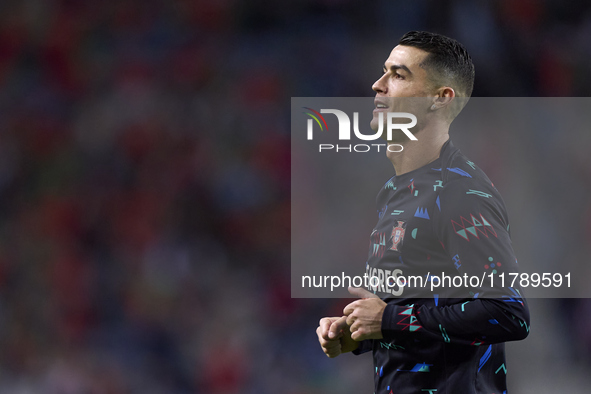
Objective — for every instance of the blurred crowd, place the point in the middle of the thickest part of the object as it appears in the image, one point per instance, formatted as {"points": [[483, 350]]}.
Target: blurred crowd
{"points": [[145, 177]]}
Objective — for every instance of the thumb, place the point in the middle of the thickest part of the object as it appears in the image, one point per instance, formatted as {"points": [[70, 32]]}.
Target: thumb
{"points": [[361, 292], [336, 327]]}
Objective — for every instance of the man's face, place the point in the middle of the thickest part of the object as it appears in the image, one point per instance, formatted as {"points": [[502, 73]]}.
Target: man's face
{"points": [[403, 77]]}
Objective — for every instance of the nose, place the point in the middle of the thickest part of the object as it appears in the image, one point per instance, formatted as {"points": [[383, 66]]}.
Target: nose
{"points": [[379, 86]]}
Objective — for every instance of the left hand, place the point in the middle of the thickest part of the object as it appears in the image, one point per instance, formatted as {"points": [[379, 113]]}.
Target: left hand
{"points": [[364, 316]]}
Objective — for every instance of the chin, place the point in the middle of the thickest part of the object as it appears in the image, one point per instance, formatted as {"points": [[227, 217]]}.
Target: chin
{"points": [[374, 123]]}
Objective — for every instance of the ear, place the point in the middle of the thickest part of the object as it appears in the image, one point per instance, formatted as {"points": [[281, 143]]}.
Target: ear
{"points": [[443, 98]]}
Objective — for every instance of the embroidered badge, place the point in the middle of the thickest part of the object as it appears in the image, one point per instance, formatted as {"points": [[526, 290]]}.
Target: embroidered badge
{"points": [[398, 235]]}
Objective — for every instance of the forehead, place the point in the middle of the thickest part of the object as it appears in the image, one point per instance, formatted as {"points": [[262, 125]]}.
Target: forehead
{"points": [[410, 57]]}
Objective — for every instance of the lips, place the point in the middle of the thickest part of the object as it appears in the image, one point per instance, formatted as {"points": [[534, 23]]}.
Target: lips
{"points": [[381, 105]]}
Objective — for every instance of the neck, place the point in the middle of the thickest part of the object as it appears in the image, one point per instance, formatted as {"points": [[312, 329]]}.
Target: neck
{"points": [[416, 154]]}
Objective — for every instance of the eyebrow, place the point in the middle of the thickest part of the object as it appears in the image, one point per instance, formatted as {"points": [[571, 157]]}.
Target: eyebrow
{"points": [[398, 67]]}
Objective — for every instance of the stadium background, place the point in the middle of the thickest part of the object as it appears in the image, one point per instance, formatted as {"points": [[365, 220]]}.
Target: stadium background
{"points": [[145, 189]]}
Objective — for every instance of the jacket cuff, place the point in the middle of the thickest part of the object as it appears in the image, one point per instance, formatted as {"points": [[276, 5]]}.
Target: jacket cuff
{"points": [[364, 347], [397, 318]]}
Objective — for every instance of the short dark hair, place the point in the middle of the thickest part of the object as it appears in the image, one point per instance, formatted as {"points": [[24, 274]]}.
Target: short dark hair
{"points": [[447, 57]]}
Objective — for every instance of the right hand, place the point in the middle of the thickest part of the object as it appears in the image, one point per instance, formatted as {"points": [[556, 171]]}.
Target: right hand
{"points": [[334, 336]]}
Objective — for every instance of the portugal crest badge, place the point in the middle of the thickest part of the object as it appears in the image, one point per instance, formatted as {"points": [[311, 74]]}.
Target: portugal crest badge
{"points": [[398, 235]]}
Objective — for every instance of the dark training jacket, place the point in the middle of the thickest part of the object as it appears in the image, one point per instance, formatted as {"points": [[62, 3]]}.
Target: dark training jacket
{"points": [[443, 221]]}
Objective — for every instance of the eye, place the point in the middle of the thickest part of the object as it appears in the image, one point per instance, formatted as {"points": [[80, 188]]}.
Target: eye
{"points": [[398, 76]]}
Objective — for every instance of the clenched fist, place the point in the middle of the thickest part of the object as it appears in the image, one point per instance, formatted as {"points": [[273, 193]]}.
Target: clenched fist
{"points": [[334, 336]]}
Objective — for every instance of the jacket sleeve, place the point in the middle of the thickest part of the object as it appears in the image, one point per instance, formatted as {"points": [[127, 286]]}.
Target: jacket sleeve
{"points": [[473, 228]]}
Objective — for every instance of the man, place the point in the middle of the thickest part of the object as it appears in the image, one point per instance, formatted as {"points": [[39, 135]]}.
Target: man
{"points": [[439, 213]]}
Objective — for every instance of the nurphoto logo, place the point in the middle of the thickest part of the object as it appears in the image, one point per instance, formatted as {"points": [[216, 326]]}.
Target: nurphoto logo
{"points": [[345, 129]]}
